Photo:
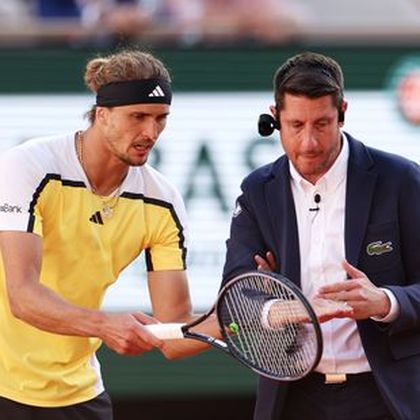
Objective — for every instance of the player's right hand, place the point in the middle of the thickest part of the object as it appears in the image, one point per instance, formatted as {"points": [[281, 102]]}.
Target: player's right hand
{"points": [[125, 333]]}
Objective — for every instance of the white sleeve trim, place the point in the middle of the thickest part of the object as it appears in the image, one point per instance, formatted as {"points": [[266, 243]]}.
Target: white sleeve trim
{"points": [[394, 310]]}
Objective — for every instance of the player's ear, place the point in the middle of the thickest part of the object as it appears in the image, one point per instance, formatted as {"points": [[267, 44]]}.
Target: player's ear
{"points": [[101, 114]]}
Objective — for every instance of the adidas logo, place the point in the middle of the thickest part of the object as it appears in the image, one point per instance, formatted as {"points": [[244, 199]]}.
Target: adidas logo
{"points": [[157, 92], [96, 218]]}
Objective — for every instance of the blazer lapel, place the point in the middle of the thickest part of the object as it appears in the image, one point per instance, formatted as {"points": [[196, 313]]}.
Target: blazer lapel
{"points": [[282, 216], [360, 188]]}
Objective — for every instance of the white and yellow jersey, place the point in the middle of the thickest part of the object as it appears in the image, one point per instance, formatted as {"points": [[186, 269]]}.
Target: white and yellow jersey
{"points": [[44, 190]]}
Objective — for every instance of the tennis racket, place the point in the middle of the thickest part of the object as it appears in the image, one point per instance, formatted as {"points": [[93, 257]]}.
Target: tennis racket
{"points": [[266, 323]]}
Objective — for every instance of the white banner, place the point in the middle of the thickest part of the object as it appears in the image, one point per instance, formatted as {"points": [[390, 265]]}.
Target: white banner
{"points": [[210, 144]]}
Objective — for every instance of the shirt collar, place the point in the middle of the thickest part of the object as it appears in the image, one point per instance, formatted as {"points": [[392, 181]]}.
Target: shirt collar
{"points": [[331, 179]]}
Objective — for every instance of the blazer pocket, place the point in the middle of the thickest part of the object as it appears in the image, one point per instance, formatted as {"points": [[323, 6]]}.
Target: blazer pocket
{"points": [[381, 248]]}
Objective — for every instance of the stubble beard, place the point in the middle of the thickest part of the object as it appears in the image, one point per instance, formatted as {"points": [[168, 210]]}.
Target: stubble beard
{"points": [[131, 162], [314, 172]]}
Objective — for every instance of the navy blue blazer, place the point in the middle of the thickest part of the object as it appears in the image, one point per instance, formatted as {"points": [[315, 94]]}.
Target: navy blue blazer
{"points": [[382, 204]]}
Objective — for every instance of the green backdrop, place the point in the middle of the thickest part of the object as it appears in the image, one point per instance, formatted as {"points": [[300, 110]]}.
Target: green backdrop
{"points": [[60, 70]]}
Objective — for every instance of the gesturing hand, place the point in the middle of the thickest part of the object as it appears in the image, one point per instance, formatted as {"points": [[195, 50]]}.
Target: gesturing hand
{"points": [[292, 311], [326, 309], [359, 292]]}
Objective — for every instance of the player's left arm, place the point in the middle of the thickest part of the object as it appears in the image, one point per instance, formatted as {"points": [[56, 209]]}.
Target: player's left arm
{"points": [[171, 302]]}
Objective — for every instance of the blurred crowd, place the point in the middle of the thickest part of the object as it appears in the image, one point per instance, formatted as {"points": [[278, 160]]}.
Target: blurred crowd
{"points": [[183, 22]]}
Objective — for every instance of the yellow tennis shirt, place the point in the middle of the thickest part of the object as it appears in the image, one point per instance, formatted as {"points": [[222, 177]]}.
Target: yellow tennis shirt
{"points": [[44, 190]]}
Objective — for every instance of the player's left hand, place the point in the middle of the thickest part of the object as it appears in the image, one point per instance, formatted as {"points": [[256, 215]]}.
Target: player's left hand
{"points": [[360, 293]]}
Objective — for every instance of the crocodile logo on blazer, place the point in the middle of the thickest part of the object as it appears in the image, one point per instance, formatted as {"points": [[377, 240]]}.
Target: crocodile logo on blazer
{"points": [[379, 248]]}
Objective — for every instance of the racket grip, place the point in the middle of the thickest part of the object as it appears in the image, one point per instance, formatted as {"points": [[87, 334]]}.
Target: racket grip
{"points": [[170, 331]]}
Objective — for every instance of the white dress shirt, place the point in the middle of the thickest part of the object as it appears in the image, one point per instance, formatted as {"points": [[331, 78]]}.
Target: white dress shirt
{"points": [[321, 246]]}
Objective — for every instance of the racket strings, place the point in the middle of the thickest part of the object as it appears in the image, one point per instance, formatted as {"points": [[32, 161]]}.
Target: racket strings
{"points": [[247, 339], [290, 314], [286, 323], [247, 333], [296, 340], [284, 345], [243, 341], [269, 354], [262, 353]]}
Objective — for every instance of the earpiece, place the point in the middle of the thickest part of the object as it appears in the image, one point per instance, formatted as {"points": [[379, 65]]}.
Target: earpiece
{"points": [[267, 124]]}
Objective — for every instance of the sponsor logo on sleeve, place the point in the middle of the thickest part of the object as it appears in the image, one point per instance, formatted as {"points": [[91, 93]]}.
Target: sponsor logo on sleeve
{"points": [[10, 208]]}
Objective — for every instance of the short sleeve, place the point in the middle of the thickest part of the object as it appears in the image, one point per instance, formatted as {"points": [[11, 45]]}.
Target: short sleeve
{"points": [[19, 183], [168, 249]]}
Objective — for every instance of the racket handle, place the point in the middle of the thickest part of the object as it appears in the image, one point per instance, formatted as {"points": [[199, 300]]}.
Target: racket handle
{"points": [[170, 331]]}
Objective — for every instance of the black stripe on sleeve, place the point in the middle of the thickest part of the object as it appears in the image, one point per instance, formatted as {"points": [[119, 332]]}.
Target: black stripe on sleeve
{"points": [[149, 262], [170, 207], [35, 197]]}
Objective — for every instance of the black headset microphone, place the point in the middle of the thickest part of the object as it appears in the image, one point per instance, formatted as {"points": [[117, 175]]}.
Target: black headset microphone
{"points": [[267, 124]]}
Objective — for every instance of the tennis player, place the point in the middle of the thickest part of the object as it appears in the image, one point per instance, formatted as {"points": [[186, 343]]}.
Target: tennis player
{"points": [[75, 210]]}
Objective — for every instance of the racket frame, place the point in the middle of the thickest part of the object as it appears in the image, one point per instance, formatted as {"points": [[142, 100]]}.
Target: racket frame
{"points": [[296, 290]]}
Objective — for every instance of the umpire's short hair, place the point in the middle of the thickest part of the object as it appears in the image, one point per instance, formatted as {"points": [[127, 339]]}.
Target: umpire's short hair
{"points": [[309, 74]]}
